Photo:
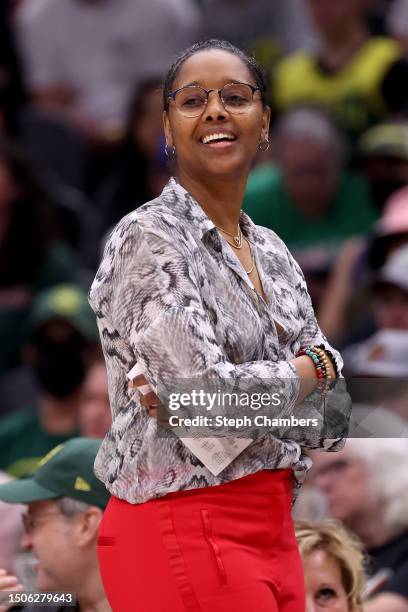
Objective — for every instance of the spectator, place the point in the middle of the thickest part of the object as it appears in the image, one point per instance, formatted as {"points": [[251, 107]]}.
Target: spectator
{"points": [[94, 414], [357, 78], [65, 507], [383, 159], [82, 58], [32, 256], [366, 486], [346, 311], [308, 198], [62, 334], [267, 28], [391, 290], [391, 231], [332, 565], [139, 172], [384, 353]]}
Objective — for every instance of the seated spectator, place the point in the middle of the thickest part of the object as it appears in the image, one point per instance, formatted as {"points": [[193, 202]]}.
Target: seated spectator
{"points": [[332, 565], [389, 299], [390, 291], [32, 256], [308, 198], [354, 76], [346, 314], [139, 169], [382, 154], [95, 416], [366, 486], [62, 335], [83, 58], [65, 507]]}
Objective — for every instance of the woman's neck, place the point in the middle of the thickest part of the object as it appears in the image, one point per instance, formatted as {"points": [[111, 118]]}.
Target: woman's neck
{"points": [[221, 200]]}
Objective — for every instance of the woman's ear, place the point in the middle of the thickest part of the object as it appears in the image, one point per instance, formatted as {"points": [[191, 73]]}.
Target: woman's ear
{"points": [[167, 129]]}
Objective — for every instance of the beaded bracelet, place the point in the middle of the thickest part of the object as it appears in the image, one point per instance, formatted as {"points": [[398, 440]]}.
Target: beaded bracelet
{"points": [[331, 357], [321, 364]]}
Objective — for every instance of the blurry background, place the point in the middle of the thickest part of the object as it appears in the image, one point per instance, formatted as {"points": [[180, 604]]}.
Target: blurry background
{"points": [[81, 145]]}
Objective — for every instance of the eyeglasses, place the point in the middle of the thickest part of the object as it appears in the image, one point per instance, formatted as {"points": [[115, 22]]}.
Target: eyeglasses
{"points": [[30, 522], [237, 98]]}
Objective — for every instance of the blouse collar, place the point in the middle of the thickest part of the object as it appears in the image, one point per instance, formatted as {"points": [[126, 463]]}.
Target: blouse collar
{"points": [[183, 204]]}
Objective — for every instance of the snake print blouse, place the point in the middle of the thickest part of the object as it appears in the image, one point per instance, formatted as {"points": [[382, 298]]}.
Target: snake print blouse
{"points": [[171, 295]]}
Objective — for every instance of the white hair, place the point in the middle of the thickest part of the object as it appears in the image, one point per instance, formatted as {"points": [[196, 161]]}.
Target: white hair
{"points": [[386, 460], [313, 125], [69, 506]]}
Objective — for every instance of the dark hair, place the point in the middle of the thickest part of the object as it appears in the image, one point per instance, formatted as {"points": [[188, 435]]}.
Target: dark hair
{"points": [[127, 185], [208, 45]]}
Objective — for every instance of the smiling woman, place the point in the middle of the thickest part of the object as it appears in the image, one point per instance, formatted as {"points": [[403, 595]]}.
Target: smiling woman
{"points": [[190, 288]]}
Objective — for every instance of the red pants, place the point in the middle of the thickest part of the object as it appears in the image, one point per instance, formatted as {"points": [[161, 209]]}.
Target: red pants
{"points": [[227, 548]]}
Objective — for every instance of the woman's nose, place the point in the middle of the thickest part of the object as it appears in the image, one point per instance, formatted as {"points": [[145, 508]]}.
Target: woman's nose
{"points": [[214, 108]]}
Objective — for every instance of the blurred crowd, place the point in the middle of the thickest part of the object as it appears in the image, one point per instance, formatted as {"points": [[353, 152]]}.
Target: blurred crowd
{"points": [[81, 145]]}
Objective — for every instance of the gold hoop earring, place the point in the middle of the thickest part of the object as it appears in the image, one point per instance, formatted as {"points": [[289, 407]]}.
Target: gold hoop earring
{"points": [[264, 145]]}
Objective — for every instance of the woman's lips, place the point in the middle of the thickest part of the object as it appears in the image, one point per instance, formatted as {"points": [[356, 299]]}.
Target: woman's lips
{"points": [[219, 144]]}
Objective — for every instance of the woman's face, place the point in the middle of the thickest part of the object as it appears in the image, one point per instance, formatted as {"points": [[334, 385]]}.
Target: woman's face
{"points": [[212, 69], [324, 588]]}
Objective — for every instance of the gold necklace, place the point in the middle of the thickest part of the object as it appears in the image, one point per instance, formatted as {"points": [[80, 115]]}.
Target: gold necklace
{"points": [[237, 238], [252, 257], [240, 247]]}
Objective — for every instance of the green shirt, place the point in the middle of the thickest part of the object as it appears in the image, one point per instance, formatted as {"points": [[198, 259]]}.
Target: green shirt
{"points": [[268, 204], [23, 442]]}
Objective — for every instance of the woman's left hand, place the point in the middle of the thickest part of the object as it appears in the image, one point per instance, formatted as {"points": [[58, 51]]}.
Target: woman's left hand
{"points": [[148, 399]]}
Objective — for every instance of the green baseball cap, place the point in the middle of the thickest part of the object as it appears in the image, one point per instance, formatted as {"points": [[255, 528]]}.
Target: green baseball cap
{"points": [[66, 471], [66, 302]]}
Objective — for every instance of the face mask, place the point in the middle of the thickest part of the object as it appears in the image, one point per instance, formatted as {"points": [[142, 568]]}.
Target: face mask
{"points": [[60, 368]]}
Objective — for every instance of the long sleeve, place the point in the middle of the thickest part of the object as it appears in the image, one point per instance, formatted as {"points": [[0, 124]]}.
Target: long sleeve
{"points": [[154, 302], [336, 407]]}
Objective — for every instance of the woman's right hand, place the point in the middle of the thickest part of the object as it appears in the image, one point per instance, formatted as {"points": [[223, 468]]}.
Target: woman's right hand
{"points": [[8, 582]]}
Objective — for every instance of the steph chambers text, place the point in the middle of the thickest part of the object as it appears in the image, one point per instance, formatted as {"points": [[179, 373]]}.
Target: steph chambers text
{"points": [[239, 422]]}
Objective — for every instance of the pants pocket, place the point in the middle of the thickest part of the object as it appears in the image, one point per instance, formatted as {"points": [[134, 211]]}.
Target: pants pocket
{"points": [[106, 541], [215, 548]]}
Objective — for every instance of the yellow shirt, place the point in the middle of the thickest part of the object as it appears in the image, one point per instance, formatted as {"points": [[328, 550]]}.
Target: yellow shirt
{"points": [[351, 95]]}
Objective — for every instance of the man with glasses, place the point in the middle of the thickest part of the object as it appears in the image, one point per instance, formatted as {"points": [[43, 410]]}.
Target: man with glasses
{"points": [[65, 507]]}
